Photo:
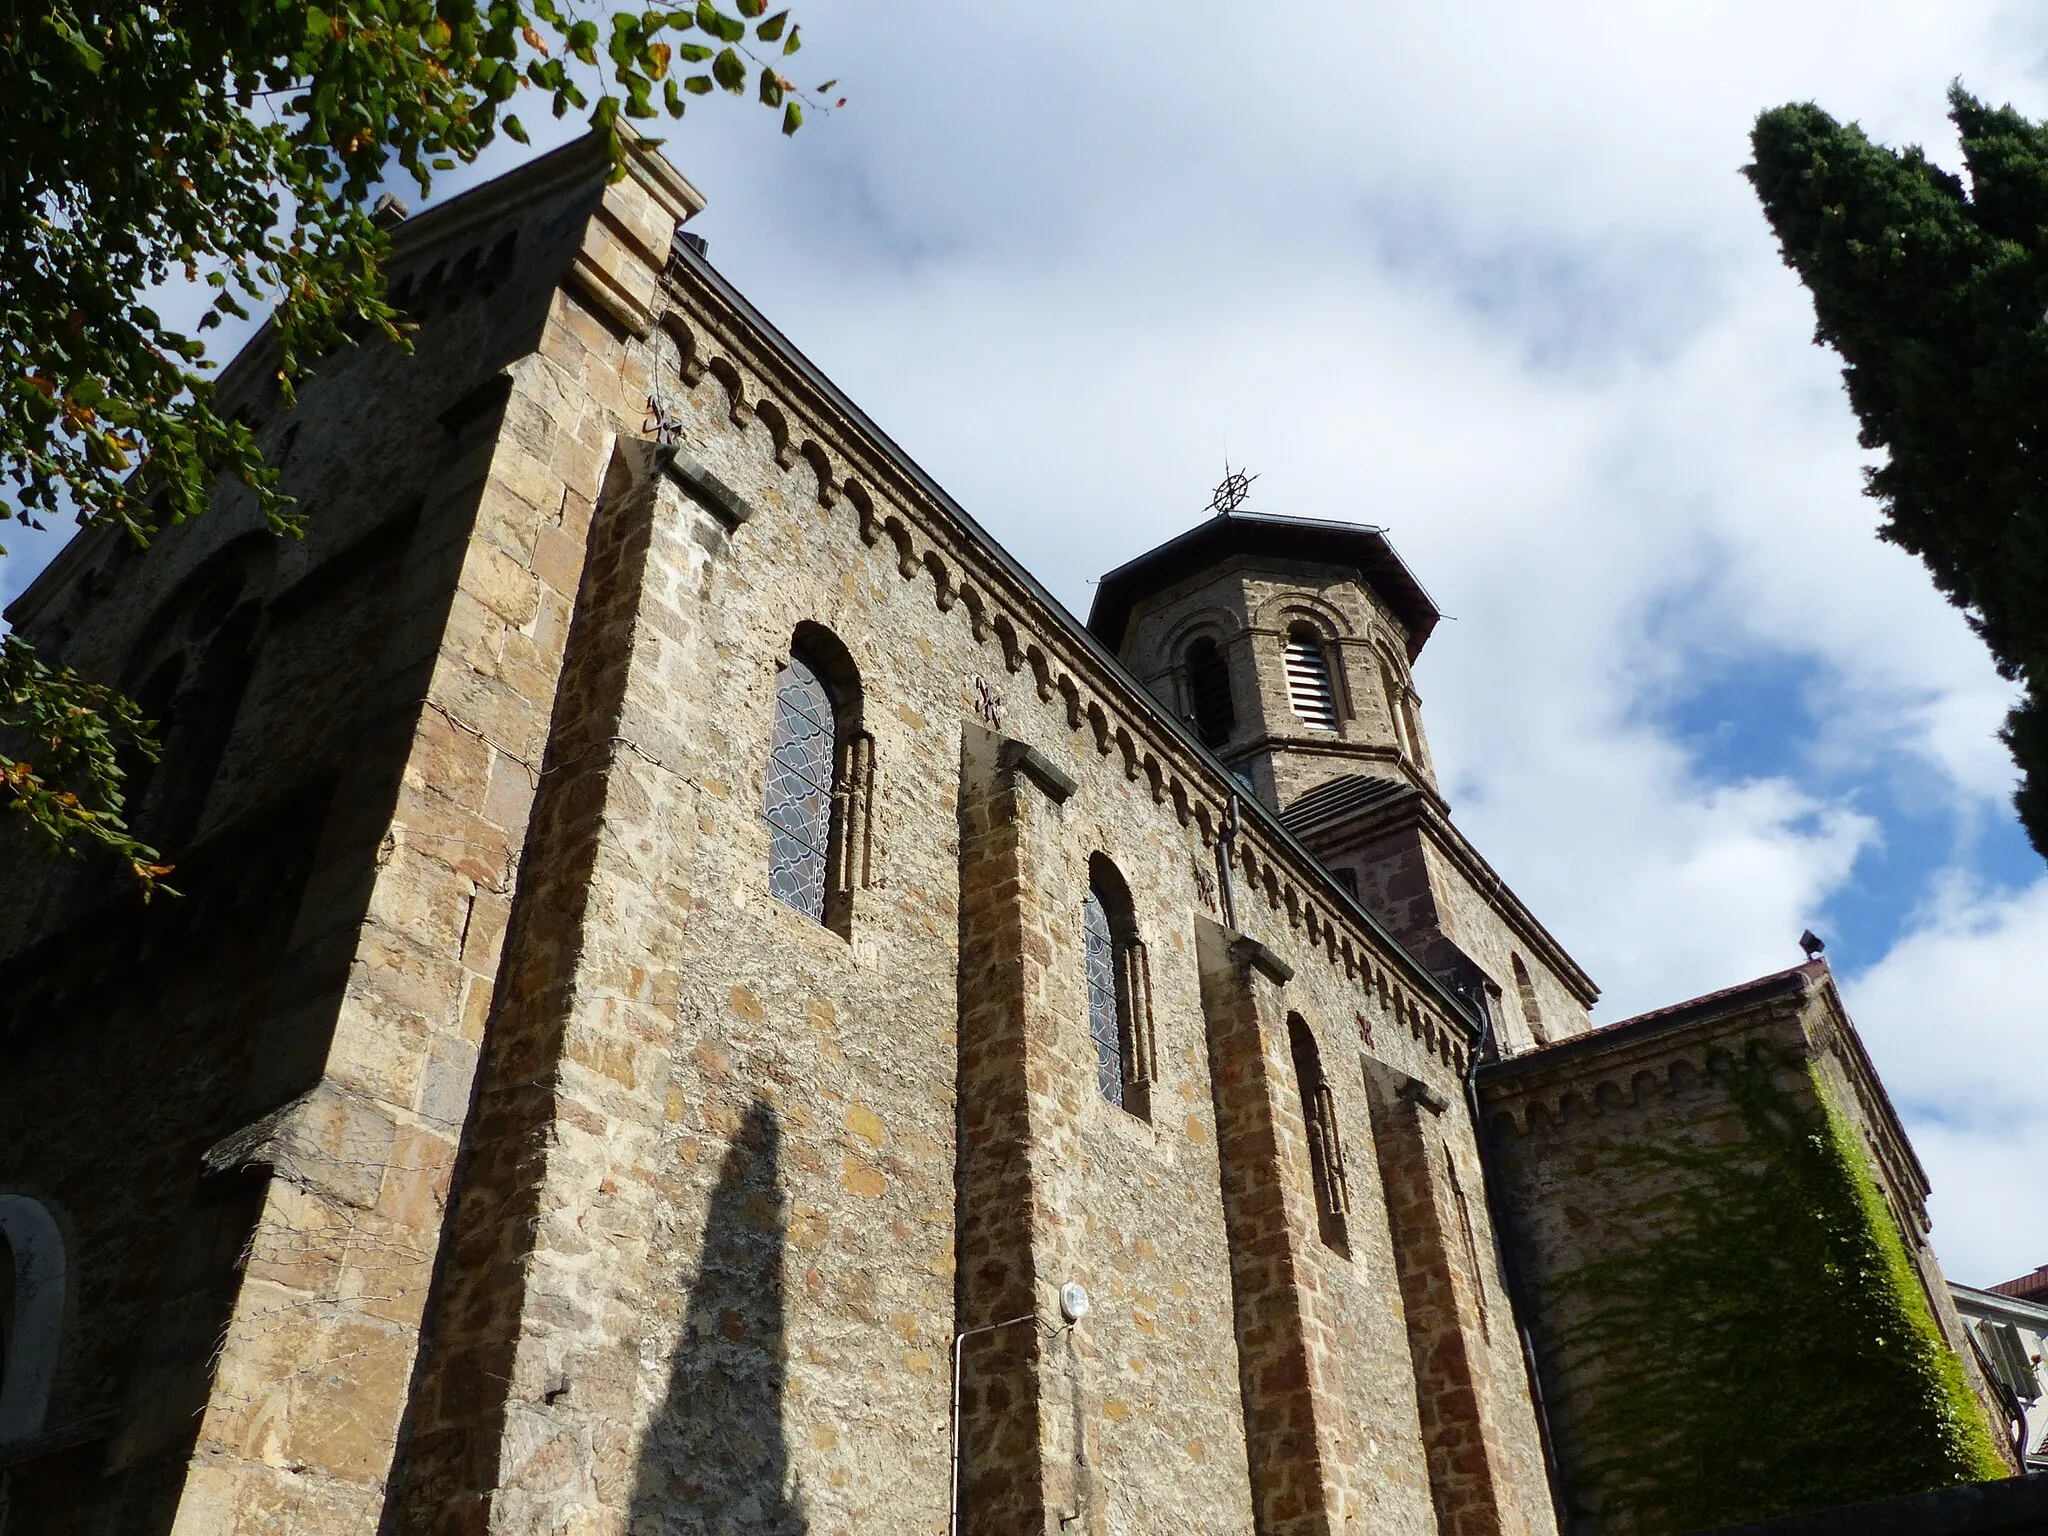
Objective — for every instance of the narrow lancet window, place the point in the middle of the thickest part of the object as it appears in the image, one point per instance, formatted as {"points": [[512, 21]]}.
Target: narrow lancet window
{"points": [[799, 800], [1103, 1023], [1325, 1147], [1308, 680], [1209, 693], [1119, 992]]}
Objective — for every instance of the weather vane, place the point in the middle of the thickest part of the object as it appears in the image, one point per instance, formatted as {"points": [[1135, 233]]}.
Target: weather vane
{"points": [[1231, 493]]}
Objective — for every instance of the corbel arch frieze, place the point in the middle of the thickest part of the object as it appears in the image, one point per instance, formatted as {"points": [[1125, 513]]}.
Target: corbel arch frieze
{"points": [[728, 375], [989, 619], [689, 347], [771, 416], [813, 454]]}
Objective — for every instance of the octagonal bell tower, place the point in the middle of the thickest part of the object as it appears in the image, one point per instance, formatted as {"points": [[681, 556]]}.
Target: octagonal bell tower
{"points": [[1285, 643]]}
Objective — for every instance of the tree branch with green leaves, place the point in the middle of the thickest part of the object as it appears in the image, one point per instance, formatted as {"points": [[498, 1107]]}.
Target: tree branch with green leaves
{"points": [[238, 143]]}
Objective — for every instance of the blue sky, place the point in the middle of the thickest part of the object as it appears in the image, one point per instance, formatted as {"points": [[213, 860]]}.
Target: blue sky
{"points": [[1487, 274]]}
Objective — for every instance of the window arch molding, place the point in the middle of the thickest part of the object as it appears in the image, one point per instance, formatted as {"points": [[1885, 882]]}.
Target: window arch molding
{"points": [[1118, 975], [1219, 624], [35, 1329], [1325, 1143], [818, 790], [1283, 610]]}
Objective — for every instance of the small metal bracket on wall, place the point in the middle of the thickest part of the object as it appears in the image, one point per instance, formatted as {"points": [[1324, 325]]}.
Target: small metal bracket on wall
{"points": [[1226, 847]]}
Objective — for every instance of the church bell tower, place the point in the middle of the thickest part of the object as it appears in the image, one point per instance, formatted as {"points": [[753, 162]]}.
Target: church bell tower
{"points": [[1285, 644]]}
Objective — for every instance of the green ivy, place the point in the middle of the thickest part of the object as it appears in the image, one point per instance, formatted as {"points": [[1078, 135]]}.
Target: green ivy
{"points": [[1766, 1347]]}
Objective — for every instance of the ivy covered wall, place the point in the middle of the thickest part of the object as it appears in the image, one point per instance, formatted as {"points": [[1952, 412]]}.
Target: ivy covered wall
{"points": [[1729, 1322]]}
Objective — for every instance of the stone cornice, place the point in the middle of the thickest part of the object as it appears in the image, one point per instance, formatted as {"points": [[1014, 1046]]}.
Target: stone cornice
{"points": [[1561, 1080]]}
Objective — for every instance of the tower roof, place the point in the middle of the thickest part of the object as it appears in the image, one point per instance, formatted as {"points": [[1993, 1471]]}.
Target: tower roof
{"points": [[1315, 541]]}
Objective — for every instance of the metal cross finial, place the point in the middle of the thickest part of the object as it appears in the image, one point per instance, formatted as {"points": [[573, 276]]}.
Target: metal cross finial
{"points": [[1231, 493]]}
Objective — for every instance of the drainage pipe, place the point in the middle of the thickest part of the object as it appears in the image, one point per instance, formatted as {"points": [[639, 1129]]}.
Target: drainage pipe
{"points": [[953, 1512], [1504, 1251]]}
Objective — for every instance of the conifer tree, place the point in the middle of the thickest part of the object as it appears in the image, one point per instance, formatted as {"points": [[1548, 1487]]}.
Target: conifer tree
{"points": [[1935, 293]]}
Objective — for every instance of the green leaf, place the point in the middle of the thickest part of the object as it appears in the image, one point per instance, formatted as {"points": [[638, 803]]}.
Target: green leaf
{"points": [[86, 54], [728, 70], [751, 8], [514, 129], [719, 25], [792, 117], [771, 89], [672, 96], [692, 53], [698, 85], [770, 30], [795, 41]]}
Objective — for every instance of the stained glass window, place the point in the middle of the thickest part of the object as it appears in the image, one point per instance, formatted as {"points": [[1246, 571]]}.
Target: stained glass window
{"points": [[799, 801], [1103, 1022]]}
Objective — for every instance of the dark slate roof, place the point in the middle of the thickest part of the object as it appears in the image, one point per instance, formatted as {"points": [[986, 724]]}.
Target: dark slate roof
{"points": [[1342, 799], [2032, 1287], [1315, 541]]}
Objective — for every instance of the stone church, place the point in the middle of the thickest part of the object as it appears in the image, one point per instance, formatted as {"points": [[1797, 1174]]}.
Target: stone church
{"points": [[704, 1001]]}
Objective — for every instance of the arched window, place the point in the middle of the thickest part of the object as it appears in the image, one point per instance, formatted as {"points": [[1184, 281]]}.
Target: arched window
{"points": [[1119, 991], [1308, 679], [189, 672], [1325, 1147], [1209, 693], [799, 808], [32, 1249], [820, 782], [1525, 988]]}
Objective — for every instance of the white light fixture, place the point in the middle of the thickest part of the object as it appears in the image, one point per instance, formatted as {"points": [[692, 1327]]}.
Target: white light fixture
{"points": [[1073, 1302]]}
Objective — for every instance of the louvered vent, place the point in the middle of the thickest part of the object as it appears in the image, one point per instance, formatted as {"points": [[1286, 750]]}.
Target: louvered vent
{"points": [[1308, 682]]}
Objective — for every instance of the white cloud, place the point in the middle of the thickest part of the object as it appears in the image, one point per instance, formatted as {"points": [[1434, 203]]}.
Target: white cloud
{"points": [[1954, 1018]]}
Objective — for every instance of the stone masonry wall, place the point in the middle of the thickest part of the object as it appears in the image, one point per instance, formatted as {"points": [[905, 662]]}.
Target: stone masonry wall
{"points": [[810, 1076], [703, 1262], [251, 1243]]}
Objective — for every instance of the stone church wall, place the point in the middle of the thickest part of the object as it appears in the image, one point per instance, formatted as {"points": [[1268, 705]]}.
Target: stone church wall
{"points": [[729, 1179], [142, 1039]]}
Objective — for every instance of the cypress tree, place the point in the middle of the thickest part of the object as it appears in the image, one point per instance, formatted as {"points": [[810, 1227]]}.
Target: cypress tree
{"points": [[1935, 293]]}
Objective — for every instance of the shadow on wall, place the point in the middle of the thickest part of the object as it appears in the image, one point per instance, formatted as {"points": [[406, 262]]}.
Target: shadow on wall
{"points": [[715, 1459]]}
